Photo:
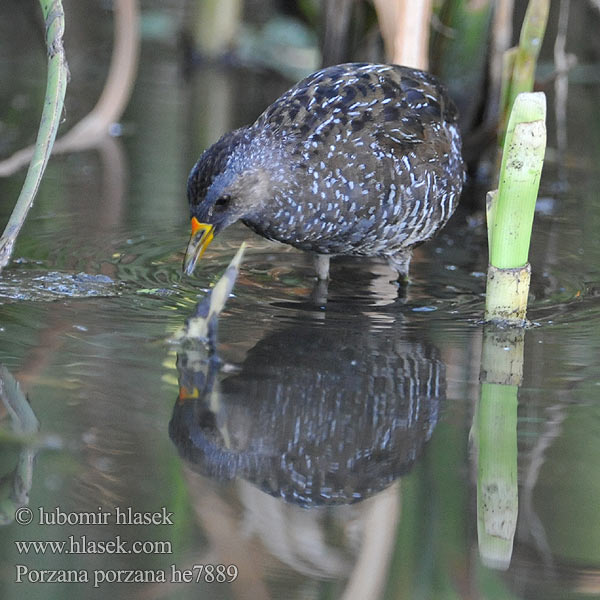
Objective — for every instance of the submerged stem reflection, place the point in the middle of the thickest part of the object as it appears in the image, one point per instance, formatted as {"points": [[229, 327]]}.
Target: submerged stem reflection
{"points": [[495, 429], [15, 485]]}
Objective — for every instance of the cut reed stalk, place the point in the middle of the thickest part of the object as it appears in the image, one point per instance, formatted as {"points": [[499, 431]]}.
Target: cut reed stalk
{"points": [[510, 210]]}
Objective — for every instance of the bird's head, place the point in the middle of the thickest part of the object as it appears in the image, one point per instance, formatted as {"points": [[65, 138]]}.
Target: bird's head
{"points": [[222, 188]]}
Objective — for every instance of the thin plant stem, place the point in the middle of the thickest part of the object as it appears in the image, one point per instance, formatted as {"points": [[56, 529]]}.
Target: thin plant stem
{"points": [[93, 129], [502, 29], [561, 85], [56, 88], [522, 74]]}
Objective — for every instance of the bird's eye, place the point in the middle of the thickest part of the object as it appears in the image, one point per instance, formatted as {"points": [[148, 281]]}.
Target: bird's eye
{"points": [[222, 202]]}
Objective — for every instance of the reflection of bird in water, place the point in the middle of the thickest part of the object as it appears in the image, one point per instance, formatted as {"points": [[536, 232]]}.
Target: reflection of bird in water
{"points": [[320, 413], [356, 159]]}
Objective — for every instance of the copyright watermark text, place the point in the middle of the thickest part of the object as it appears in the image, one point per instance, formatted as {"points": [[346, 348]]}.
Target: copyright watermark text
{"points": [[117, 544], [118, 516]]}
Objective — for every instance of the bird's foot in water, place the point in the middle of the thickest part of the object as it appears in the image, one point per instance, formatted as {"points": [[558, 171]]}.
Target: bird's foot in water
{"points": [[400, 263], [402, 283]]}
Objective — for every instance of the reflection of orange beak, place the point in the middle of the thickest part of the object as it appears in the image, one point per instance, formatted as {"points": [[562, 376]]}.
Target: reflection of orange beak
{"points": [[202, 236], [185, 394]]}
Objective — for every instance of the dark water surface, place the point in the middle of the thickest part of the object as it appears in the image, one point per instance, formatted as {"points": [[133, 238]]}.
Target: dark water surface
{"points": [[333, 451]]}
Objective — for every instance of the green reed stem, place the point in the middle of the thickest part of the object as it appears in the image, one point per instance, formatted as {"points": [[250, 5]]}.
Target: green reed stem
{"points": [[56, 86], [519, 64], [511, 208], [519, 181]]}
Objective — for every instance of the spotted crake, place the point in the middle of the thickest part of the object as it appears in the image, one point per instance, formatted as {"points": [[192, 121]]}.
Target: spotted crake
{"points": [[356, 159]]}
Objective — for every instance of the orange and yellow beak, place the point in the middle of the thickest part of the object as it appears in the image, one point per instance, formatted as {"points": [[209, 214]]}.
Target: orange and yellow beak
{"points": [[202, 236]]}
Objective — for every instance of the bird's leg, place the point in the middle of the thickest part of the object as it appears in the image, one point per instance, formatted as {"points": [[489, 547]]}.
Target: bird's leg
{"points": [[400, 263], [322, 266]]}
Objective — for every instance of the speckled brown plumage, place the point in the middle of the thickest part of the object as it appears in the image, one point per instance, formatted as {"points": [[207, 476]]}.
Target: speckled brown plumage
{"points": [[356, 159]]}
